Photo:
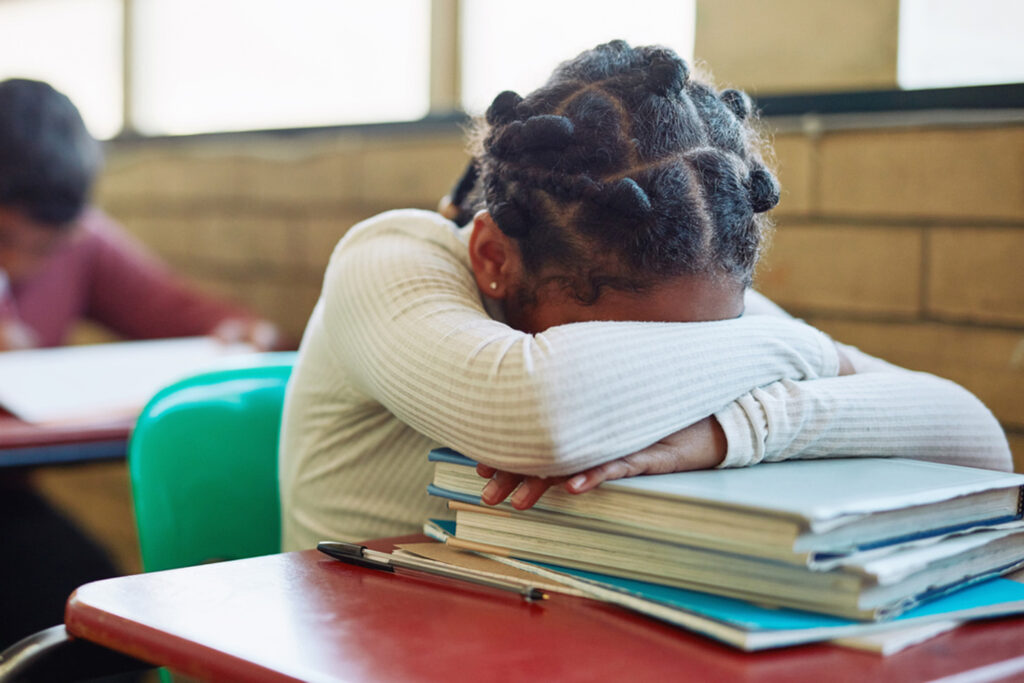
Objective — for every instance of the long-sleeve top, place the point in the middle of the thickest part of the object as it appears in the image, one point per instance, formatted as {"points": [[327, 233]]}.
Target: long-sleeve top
{"points": [[102, 274], [402, 354]]}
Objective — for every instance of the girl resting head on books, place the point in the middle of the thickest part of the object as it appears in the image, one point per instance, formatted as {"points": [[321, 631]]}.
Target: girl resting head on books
{"points": [[626, 188], [593, 317]]}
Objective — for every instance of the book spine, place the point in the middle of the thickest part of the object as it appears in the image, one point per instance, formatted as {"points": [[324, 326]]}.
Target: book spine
{"points": [[1020, 502]]}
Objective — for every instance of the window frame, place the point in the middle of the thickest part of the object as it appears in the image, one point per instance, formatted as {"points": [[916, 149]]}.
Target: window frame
{"points": [[445, 112]]}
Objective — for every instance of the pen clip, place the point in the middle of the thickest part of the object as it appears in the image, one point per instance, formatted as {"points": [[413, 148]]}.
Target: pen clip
{"points": [[351, 553]]}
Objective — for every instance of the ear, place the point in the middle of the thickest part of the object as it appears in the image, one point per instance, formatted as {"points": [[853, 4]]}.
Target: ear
{"points": [[494, 257]]}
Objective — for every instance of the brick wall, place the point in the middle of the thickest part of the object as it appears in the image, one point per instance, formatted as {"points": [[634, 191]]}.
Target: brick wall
{"points": [[901, 240], [907, 242], [255, 218]]}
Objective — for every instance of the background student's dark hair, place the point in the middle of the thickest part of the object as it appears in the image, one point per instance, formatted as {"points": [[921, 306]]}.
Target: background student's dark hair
{"points": [[48, 159], [623, 170]]}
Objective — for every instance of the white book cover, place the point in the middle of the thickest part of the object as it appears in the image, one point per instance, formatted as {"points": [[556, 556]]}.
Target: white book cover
{"points": [[823, 492]]}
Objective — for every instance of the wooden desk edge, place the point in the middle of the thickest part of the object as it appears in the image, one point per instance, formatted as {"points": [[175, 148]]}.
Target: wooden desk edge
{"points": [[181, 654]]}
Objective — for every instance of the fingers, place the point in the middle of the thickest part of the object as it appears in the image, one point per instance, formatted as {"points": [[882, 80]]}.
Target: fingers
{"points": [[530, 491], [261, 334], [845, 364], [628, 466], [499, 487], [524, 491]]}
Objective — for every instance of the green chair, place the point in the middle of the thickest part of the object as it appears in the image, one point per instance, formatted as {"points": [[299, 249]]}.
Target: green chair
{"points": [[203, 465]]}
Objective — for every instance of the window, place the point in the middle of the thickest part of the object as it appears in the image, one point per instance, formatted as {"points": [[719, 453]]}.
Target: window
{"points": [[948, 43], [200, 66], [515, 45], [75, 45], [244, 64]]}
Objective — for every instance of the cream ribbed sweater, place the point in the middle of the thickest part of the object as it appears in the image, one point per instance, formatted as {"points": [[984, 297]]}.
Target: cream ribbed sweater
{"points": [[401, 355]]}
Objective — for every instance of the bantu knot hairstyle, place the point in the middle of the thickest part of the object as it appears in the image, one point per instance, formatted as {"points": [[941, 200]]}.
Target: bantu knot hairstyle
{"points": [[625, 169]]}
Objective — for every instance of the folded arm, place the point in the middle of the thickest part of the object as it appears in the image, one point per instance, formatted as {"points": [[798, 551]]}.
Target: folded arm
{"points": [[406, 319], [882, 410], [891, 412], [879, 409]]}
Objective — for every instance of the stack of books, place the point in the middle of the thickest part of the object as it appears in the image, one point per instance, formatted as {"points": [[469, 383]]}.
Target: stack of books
{"points": [[859, 540]]}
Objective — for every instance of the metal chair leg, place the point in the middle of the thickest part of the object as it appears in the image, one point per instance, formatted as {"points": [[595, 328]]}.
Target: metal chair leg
{"points": [[52, 656]]}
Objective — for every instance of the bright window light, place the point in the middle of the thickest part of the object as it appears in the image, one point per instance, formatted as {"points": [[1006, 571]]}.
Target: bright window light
{"points": [[202, 66], [75, 46], [949, 43], [505, 46]]}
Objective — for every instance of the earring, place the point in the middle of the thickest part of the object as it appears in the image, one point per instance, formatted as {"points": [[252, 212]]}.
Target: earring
{"points": [[494, 286]]}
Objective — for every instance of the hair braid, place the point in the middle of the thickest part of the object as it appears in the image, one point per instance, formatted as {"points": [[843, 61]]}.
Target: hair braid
{"points": [[623, 169]]}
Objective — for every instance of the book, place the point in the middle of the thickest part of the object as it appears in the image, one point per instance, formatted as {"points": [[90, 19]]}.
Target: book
{"points": [[750, 626], [875, 580], [105, 381], [803, 512]]}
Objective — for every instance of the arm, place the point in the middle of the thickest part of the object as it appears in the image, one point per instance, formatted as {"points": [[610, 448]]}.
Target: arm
{"points": [[406, 321], [881, 410], [890, 412], [136, 295], [14, 334]]}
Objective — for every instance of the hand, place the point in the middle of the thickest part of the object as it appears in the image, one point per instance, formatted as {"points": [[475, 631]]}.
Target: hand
{"points": [[447, 208], [845, 365], [261, 334], [15, 335], [700, 446]]}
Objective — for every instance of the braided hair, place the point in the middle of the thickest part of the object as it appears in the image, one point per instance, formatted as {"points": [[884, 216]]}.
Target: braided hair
{"points": [[623, 170]]}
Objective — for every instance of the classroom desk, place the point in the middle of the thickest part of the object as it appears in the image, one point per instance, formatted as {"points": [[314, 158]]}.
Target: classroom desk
{"points": [[304, 616], [23, 443]]}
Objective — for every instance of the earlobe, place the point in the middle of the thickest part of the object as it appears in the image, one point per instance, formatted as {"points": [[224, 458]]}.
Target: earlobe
{"points": [[492, 255]]}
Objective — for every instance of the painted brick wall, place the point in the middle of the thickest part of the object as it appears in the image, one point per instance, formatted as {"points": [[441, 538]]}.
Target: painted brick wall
{"points": [[907, 242], [904, 241]]}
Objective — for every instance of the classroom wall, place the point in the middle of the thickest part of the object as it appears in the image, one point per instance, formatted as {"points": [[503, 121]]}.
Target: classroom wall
{"points": [[256, 218], [906, 242], [792, 46], [901, 239]]}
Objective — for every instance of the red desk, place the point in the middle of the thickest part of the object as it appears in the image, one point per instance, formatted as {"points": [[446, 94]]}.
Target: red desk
{"points": [[303, 616], [22, 443]]}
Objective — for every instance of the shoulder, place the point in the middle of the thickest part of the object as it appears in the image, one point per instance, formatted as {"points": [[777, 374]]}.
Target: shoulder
{"points": [[97, 232], [755, 303], [404, 235], [417, 224], [94, 224]]}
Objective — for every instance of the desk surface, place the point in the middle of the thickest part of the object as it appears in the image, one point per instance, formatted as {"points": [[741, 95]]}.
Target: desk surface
{"points": [[23, 443], [303, 616]]}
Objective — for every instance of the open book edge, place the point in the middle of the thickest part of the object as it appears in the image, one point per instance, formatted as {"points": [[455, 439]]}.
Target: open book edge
{"points": [[753, 627]]}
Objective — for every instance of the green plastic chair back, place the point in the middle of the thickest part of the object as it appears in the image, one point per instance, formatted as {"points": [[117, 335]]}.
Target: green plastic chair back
{"points": [[203, 465]]}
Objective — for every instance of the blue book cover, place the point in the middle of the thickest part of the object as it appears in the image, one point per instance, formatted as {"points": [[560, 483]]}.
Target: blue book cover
{"points": [[752, 627]]}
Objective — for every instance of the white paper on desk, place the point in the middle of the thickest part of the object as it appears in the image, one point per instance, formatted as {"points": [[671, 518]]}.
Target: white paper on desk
{"points": [[101, 381]]}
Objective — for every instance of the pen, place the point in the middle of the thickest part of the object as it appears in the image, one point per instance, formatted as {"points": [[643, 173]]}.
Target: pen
{"points": [[365, 557]]}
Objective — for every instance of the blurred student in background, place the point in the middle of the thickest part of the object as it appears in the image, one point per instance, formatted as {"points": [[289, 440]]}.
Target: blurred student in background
{"points": [[62, 260]]}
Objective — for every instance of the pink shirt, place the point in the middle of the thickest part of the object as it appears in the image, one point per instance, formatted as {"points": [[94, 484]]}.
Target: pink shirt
{"points": [[104, 275]]}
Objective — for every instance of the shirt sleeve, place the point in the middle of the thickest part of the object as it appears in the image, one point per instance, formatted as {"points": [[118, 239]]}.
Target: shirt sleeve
{"points": [[882, 410], [137, 296], [405, 319]]}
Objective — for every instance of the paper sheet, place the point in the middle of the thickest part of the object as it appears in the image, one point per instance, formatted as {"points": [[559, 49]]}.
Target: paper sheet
{"points": [[100, 381]]}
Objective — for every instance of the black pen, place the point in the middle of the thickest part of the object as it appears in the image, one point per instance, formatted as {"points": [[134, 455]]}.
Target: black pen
{"points": [[354, 553]]}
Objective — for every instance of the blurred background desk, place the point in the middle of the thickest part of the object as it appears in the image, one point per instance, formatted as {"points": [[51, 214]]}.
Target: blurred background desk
{"points": [[23, 443], [303, 616]]}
